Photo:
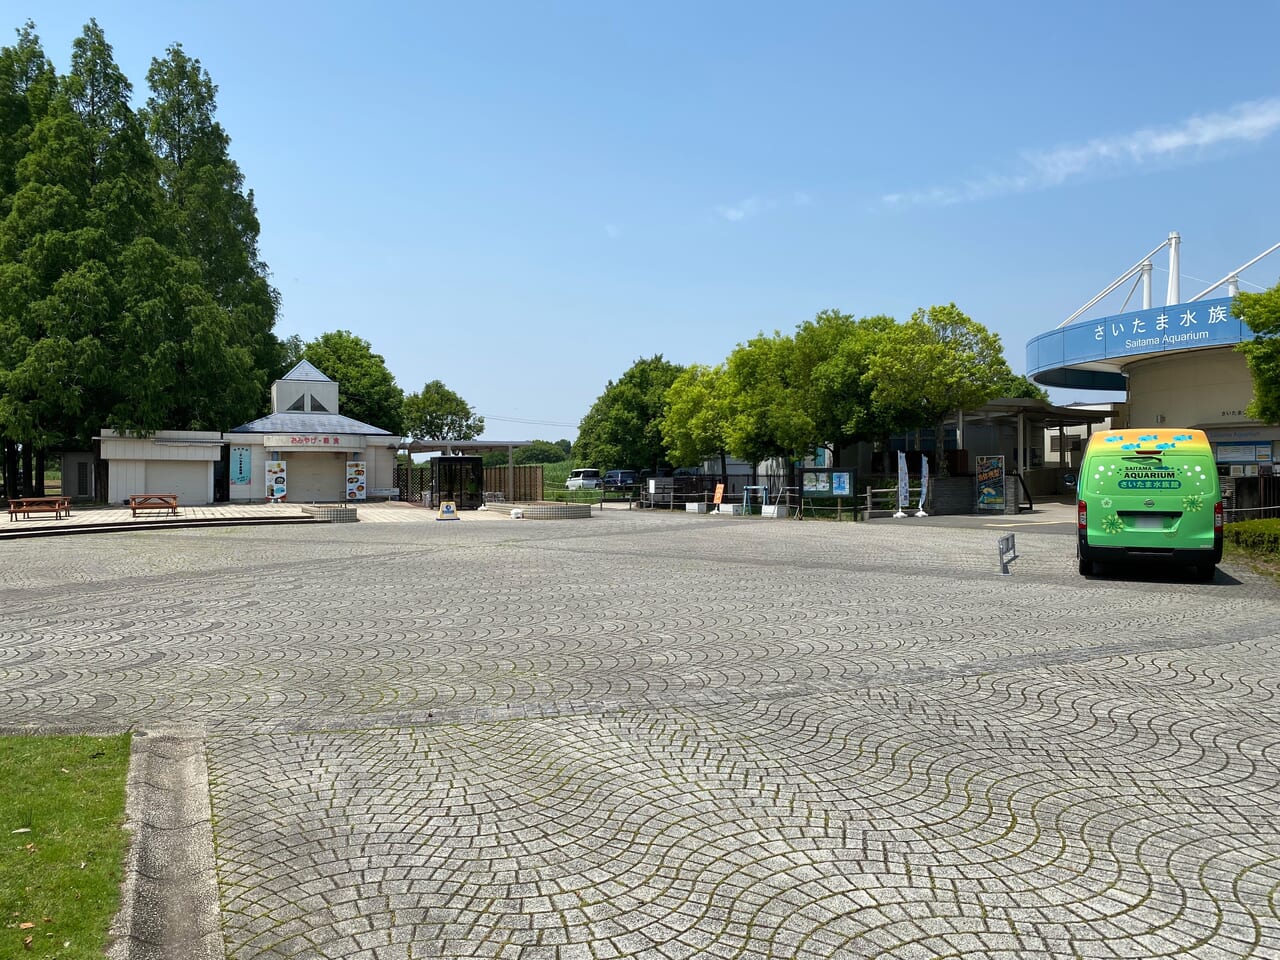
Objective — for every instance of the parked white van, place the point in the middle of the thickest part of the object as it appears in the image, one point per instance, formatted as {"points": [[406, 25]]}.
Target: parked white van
{"points": [[587, 478]]}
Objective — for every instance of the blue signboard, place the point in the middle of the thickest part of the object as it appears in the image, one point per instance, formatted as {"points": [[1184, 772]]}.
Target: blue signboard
{"points": [[1204, 323]]}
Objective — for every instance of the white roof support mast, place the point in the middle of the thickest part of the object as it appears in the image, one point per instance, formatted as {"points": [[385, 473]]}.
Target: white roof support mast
{"points": [[1173, 294], [1143, 266]]}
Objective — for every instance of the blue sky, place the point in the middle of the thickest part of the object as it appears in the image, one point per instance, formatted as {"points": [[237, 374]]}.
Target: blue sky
{"points": [[522, 199]]}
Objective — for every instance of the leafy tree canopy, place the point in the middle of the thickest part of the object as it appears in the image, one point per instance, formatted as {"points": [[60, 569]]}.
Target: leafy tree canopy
{"points": [[769, 413], [1261, 313], [538, 451], [437, 413], [698, 404], [367, 389], [1023, 387], [623, 428]]}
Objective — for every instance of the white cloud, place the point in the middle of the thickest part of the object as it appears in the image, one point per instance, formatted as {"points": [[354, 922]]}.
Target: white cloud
{"points": [[1042, 169], [740, 211]]}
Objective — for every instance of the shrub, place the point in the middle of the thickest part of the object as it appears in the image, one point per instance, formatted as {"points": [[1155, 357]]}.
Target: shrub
{"points": [[1259, 536]]}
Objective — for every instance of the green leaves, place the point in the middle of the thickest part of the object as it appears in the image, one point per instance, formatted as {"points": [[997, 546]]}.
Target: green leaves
{"points": [[1261, 313], [123, 303], [623, 428], [369, 391], [437, 413]]}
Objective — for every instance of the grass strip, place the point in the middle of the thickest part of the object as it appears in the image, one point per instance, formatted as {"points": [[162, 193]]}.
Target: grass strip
{"points": [[62, 846]]}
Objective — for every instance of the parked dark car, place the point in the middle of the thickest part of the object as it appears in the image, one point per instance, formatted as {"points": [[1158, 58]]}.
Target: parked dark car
{"points": [[621, 479]]}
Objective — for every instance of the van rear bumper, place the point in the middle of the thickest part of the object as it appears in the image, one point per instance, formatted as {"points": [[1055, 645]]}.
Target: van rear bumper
{"points": [[1169, 555]]}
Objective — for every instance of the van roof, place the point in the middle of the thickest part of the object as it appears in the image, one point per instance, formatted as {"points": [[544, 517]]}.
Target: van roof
{"points": [[1162, 439]]}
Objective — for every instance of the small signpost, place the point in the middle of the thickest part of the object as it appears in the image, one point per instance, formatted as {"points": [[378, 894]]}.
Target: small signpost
{"points": [[448, 510], [1007, 553]]}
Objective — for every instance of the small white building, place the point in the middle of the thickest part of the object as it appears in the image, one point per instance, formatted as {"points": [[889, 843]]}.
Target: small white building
{"points": [[303, 451]]}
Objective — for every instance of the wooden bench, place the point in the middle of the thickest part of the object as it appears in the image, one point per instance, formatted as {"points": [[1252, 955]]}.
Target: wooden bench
{"points": [[154, 501], [59, 506]]}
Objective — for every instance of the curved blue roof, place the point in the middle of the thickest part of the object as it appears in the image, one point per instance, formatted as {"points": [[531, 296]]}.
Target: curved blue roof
{"points": [[1091, 354]]}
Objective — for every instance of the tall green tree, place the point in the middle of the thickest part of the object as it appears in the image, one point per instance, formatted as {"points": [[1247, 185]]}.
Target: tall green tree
{"points": [[937, 363], [368, 390], [1261, 314], [437, 413], [833, 353], [623, 428], [696, 419], [213, 218], [770, 414]]}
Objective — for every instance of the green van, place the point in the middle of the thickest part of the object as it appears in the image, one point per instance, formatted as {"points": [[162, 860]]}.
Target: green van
{"points": [[1149, 495]]}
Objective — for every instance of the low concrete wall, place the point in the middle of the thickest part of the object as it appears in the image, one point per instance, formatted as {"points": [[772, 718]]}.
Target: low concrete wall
{"points": [[548, 511], [340, 513]]}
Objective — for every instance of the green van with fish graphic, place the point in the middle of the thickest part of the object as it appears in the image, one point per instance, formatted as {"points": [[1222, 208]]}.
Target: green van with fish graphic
{"points": [[1149, 496]]}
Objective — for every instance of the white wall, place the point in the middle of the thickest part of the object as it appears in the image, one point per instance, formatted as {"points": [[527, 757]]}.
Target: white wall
{"points": [[1194, 388], [191, 480]]}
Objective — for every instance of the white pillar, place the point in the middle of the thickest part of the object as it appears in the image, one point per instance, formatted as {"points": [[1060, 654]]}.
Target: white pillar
{"points": [[1233, 285], [1174, 294], [1146, 285]]}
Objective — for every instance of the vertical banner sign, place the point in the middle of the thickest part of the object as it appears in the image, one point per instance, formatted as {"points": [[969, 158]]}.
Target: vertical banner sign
{"points": [[924, 480], [241, 457], [991, 483], [719, 497], [277, 487], [904, 488], [356, 479]]}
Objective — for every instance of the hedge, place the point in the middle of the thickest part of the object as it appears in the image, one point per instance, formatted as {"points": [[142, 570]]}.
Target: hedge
{"points": [[1260, 536]]}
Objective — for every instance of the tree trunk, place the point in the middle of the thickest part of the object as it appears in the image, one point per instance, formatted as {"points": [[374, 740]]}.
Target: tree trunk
{"points": [[10, 469], [940, 455], [27, 469]]}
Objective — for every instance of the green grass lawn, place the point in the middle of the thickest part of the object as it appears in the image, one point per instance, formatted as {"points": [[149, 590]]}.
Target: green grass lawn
{"points": [[62, 859]]}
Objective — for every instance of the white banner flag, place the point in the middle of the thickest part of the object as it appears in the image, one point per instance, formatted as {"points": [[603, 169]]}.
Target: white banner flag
{"points": [[904, 487], [924, 479]]}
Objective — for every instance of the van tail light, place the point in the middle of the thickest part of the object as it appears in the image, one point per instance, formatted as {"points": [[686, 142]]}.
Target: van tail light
{"points": [[1083, 521], [1217, 517]]}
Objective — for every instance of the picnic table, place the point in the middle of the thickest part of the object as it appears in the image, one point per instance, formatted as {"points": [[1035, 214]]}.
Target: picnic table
{"points": [[59, 506], [167, 502]]}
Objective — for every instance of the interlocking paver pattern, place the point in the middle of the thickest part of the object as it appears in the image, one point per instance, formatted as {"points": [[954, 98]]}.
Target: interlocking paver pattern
{"points": [[653, 736]]}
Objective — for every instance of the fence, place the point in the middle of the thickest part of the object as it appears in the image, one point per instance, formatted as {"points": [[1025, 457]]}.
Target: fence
{"points": [[1250, 498], [414, 480]]}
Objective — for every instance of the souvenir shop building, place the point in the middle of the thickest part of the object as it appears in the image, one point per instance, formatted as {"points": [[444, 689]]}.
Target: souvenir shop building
{"points": [[303, 451]]}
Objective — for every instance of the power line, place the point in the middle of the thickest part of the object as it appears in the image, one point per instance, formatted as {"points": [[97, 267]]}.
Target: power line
{"points": [[536, 423]]}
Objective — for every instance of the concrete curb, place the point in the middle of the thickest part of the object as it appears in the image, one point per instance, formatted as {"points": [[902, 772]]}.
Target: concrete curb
{"points": [[169, 907]]}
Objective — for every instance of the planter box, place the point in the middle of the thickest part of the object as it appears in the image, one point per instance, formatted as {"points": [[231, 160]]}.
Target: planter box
{"points": [[695, 508]]}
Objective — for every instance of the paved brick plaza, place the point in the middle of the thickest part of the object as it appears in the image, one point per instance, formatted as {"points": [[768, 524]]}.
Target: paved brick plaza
{"points": [[659, 736]]}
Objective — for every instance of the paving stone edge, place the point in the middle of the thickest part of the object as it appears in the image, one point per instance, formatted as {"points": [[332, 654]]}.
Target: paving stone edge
{"points": [[169, 908]]}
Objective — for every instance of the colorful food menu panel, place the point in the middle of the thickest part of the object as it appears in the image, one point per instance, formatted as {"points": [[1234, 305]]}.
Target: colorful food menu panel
{"points": [[277, 488], [356, 479]]}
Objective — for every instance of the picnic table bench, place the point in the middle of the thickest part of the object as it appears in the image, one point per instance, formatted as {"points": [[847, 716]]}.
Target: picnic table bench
{"points": [[154, 501], [59, 506]]}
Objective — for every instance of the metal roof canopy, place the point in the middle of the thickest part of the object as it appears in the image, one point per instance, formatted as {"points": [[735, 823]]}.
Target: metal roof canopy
{"points": [[1039, 411]]}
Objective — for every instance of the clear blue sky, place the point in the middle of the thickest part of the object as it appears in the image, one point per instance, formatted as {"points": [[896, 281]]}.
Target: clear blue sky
{"points": [[522, 199]]}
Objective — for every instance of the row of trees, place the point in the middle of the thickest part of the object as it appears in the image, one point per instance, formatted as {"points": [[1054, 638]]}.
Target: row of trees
{"points": [[835, 381], [132, 292]]}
